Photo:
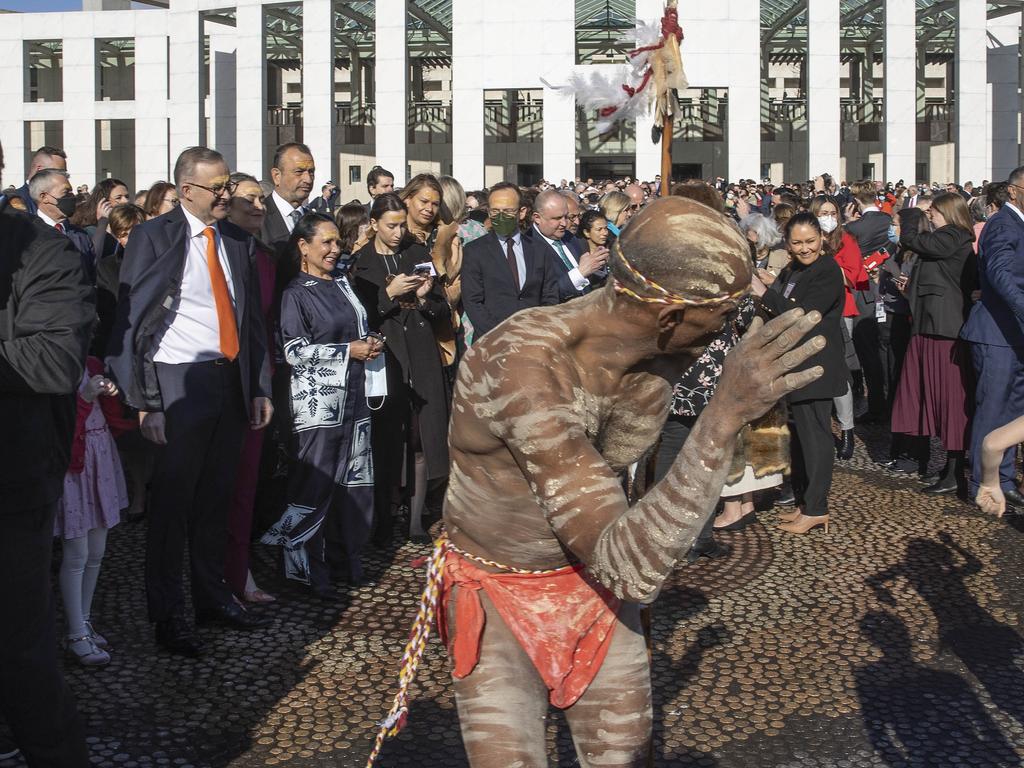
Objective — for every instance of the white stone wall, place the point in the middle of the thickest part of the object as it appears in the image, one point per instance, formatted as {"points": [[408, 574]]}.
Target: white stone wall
{"points": [[496, 46]]}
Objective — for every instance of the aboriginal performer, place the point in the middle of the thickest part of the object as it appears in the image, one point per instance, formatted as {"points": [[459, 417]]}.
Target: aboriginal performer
{"points": [[545, 565]]}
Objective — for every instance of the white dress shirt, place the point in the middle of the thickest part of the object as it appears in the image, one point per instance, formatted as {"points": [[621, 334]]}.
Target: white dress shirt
{"points": [[192, 334], [578, 280], [46, 219], [286, 210]]}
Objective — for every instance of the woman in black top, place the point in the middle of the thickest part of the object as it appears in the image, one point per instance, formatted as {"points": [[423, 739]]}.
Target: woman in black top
{"points": [[813, 282], [935, 387], [405, 308]]}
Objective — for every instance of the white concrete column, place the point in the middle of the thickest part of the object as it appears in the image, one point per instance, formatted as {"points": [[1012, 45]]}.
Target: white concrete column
{"points": [[80, 109], [12, 96], [318, 87], [250, 89], [151, 102], [900, 91], [559, 149], [1004, 75], [648, 154], [186, 65], [223, 98], [391, 87], [971, 92], [467, 93], [744, 82], [822, 87]]}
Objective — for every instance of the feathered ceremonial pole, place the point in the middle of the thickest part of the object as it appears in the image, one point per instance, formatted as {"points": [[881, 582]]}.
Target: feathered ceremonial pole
{"points": [[653, 76]]}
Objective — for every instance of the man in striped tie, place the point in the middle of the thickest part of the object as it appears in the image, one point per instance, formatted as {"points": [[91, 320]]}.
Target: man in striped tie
{"points": [[188, 351]]}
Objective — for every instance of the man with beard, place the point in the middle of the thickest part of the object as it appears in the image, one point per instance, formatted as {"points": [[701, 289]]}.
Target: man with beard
{"points": [[543, 549], [188, 350]]}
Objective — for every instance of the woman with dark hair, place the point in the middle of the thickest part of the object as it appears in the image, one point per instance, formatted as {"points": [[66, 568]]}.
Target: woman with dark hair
{"points": [[846, 252], [92, 214], [936, 384], [354, 226], [594, 231], [328, 344], [162, 198], [814, 283], [393, 278]]}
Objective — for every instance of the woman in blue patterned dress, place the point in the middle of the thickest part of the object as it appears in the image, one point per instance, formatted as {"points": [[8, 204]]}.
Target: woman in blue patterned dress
{"points": [[326, 342]]}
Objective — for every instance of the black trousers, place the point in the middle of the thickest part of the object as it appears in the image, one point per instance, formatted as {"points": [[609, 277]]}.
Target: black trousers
{"points": [[813, 454], [192, 485], [893, 340], [673, 436], [866, 343], [34, 700]]}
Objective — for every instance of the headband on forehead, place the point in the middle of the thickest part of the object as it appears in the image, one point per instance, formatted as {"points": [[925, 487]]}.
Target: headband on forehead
{"points": [[663, 295]]}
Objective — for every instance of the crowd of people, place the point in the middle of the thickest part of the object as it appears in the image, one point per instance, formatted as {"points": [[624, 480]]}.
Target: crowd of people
{"points": [[230, 360]]}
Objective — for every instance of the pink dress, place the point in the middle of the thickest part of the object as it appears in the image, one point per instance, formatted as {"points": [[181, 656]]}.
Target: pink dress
{"points": [[94, 497]]}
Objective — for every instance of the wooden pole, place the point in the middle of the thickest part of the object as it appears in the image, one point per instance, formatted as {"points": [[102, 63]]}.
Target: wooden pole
{"points": [[666, 156]]}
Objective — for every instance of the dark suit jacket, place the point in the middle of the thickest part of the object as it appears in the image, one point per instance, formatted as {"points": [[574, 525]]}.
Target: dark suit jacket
{"points": [[489, 295], [871, 231], [819, 286], [274, 233], [566, 289], [46, 318], [30, 204], [998, 319], [943, 278], [82, 241], [151, 274]]}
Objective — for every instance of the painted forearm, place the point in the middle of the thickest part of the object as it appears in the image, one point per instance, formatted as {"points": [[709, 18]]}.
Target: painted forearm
{"points": [[636, 552]]}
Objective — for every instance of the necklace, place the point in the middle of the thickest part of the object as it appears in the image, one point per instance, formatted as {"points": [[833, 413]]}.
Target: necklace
{"points": [[390, 258]]}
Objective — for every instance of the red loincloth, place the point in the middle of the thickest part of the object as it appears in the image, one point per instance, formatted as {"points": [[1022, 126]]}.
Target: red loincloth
{"points": [[563, 621]]}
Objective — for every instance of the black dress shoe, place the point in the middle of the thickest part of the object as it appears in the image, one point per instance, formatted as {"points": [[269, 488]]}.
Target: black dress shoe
{"points": [[739, 524], [942, 487], [706, 548], [931, 479], [176, 636], [844, 449], [234, 616], [1014, 498]]}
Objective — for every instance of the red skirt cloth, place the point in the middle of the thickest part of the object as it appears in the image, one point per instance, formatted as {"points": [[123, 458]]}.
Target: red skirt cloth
{"points": [[562, 620], [934, 395]]}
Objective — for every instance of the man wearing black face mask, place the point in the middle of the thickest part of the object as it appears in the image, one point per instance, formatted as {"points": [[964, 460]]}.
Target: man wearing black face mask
{"points": [[504, 272], [55, 202]]}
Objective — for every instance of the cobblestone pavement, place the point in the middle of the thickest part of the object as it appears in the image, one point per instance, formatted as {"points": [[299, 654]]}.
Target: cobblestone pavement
{"points": [[894, 640]]}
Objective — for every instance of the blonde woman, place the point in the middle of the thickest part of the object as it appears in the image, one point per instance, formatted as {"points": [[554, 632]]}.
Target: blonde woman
{"points": [[617, 209]]}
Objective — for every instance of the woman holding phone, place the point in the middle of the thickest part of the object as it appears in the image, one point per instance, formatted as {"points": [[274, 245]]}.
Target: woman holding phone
{"points": [[326, 341], [395, 280]]}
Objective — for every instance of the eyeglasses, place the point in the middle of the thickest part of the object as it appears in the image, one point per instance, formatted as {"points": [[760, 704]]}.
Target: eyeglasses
{"points": [[218, 189], [173, 201], [1010, 184]]}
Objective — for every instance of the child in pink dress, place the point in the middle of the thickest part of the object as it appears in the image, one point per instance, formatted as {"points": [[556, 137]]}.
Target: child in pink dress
{"points": [[94, 495]]}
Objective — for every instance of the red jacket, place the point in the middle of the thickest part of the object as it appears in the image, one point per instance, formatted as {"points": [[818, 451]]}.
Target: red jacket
{"points": [[855, 277]]}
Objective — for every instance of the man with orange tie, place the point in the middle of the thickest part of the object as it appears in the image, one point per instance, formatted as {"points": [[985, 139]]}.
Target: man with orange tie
{"points": [[188, 352]]}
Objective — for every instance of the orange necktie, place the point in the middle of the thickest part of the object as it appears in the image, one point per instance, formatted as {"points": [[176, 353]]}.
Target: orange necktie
{"points": [[221, 297]]}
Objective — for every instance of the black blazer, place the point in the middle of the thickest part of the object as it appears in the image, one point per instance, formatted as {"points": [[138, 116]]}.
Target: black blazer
{"points": [[274, 233], [871, 231], [566, 289], [46, 317], [818, 286], [943, 278], [489, 295], [151, 273]]}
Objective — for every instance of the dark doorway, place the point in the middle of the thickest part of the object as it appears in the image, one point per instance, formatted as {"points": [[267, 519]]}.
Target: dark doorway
{"points": [[606, 167]]}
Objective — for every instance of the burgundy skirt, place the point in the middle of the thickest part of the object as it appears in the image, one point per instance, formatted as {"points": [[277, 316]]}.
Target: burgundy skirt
{"points": [[934, 396]]}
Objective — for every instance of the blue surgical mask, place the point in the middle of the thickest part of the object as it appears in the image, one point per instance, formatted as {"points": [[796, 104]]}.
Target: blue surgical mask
{"points": [[894, 236]]}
